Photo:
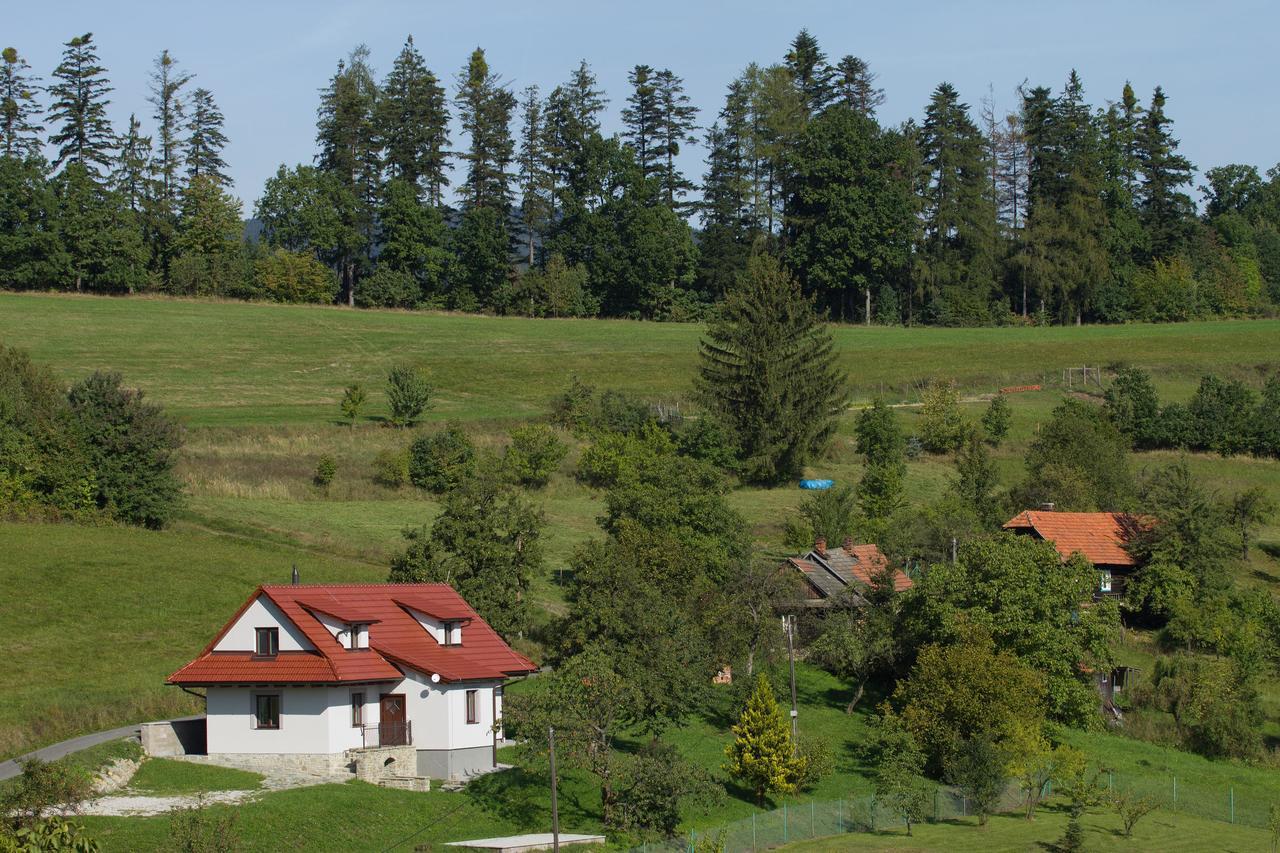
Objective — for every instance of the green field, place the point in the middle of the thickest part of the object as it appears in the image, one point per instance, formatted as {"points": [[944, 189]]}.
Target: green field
{"points": [[98, 616]]}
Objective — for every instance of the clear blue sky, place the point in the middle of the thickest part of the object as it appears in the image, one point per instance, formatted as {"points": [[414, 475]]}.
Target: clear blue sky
{"points": [[265, 61]]}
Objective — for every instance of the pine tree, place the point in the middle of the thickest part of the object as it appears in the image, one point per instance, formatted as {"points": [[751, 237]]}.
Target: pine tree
{"points": [[726, 210], [855, 86], [349, 153], [814, 78], [211, 221], [571, 117], [534, 174], [675, 126], [132, 176], [762, 753], [642, 118], [768, 369], [411, 237], [167, 83], [413, 123], [31, 251], [485, 107], [1166, 211], [19, 132], [79, 108], [205, 139], [103, 245]]}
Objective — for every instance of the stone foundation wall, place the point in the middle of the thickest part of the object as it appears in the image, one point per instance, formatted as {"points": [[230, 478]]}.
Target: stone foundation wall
{"points": [[314, 764], [377, 764]]}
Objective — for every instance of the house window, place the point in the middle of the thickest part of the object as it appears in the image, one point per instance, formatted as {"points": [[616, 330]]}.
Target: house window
{"points": [[353, 637], [473, 710], [268, 644], [266, 710], [448, 633], [1104, 585], [357, 709]]}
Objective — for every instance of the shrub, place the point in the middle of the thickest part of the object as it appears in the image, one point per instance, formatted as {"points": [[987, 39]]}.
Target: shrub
{"points": [[535, 454], [880, 438], [353, 400], [408, 394], [285, 276], [995, 421], [615, 454], [391, 468], [1176, 427], [1134, 408], [1224, 413], [1267, 433], [708, 439], [1132, 808], [197, 830], [1165, 292], [559, 290], [438, 462], [228, 274], [573, 409], [43, 786], [622, 412], [818, 763], [326, 469], [50, 834], [388, 289], [942, 428]]}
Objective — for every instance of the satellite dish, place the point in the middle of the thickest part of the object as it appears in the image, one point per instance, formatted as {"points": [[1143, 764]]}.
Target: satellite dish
{"points": [[435, 678]]}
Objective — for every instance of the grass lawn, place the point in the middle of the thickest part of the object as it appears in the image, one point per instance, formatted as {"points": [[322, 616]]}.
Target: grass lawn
{"points": [[161, 777], [1161, 830]]}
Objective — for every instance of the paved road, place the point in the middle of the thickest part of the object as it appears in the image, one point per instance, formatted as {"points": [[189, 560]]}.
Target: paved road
{"points": [[10, 768]]}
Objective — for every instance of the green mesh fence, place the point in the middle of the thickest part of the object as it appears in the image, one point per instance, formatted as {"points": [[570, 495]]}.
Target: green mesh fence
{"points": [[818, 819]]}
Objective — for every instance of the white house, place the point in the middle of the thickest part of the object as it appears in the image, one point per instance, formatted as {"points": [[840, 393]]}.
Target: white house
{"points": [[304, 673]]}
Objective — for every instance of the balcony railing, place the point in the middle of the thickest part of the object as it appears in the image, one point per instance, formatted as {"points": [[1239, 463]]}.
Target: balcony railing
{"points": [[388, 734]]}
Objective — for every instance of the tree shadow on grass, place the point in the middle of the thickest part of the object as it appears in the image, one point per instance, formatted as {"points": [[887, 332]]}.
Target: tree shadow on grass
{"points": [[524, 799]]}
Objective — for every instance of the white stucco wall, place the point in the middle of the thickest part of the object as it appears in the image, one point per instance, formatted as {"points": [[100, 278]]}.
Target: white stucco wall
{"points": [[306, 723], [435, 627], [262, 614]]}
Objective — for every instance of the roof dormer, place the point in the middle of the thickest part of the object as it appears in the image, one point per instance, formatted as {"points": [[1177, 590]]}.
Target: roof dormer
{"points": [[349, 628]]}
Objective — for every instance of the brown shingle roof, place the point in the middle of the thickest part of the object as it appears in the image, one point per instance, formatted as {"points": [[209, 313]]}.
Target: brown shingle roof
{"points": [[833, 569]]}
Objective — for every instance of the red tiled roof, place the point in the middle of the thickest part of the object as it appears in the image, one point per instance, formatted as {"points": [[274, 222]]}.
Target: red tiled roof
{"points": [[833, 569], [395, 638], [1097, 536]]}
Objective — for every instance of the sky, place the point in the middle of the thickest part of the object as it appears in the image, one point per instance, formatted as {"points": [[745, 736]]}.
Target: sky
{"points": [[266, 61]]}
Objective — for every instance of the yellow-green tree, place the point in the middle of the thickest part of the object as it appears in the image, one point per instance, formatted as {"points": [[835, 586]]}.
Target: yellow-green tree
{"points": [[762, 754]]}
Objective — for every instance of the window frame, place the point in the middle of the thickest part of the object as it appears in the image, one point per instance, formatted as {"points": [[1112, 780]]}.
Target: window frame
{"points": [[272, 631], [1106, 581], [255, 720], [473, 706], [448, 628], [357, 709]]}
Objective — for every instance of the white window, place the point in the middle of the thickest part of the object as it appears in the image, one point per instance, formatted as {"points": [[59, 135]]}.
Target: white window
{"points": [[1104, 584]]}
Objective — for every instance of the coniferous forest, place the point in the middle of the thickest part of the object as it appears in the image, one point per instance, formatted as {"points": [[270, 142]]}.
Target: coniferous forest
{"points": [[1077, 207]]}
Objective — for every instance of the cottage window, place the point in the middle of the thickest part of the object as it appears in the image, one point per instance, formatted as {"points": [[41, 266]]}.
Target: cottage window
{"points": [[357, 709], [1104, 585], [266, 710], [268, 641], [473, 709], [449, 628]]}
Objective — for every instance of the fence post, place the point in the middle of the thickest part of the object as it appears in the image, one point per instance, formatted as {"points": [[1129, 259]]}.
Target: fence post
{"points": [[813, 825], [840, 815], [1232, 792], [753, 831], [692, 840], [937, 816], [785, 828], [1175, 790], [1110, 780]]}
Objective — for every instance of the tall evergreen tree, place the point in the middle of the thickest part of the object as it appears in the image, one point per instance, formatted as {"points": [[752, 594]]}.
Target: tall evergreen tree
{"points": [[411, 237], [413, 123], [676, 124], [31, 251], [534, 173], [167, 83], [19, 130], [768, 369], [132, 175], [485, 107], [349, 152], [571, 117], [79, 108], [958, 244], [855, 86], [778, 115], [812, 75], [642, 119], [205, 139], [103, 245], [726, 209], [1166, 211]]}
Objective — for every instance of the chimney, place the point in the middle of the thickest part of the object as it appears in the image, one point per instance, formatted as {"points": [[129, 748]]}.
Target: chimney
{"points": [[821, 546], [295, 574], [1048, 506], [848, 544]]}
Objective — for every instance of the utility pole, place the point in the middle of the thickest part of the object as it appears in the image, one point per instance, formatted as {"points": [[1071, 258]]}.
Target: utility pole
{"points": [[789, 622], [555, 809]]}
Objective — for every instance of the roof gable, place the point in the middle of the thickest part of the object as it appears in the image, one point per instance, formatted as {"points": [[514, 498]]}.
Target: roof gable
{"points": [[1099, 537]]}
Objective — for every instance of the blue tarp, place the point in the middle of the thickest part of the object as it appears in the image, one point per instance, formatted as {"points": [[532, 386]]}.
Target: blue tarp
{"points": [[817, 484]]}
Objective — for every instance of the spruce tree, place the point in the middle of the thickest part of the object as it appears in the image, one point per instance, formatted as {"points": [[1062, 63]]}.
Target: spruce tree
{"points": [[485, 107], [103, 247], [31, 252], [411, 237], [19, 130], [167, 83], [534, 174], [205, 139], [571, 117], [725, 211], [768, 369], [855, 86], [813, 77], [1166, 211], [762, 753], [642, 118], [79, 108], [675, 126], [132, 174], [413, 124]]}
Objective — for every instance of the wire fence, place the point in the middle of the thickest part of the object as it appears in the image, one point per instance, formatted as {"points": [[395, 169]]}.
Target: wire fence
{"points": [[819, 819]]}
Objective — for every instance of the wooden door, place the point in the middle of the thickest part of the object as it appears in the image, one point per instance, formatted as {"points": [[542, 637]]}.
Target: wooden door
{"points": [[393, 725]]}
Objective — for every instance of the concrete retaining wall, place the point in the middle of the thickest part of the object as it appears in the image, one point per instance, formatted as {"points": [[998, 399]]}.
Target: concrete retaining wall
{"points": [[174, 737]]}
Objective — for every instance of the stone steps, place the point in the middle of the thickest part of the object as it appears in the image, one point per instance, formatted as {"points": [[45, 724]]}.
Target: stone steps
{"points": [[406, 783]]}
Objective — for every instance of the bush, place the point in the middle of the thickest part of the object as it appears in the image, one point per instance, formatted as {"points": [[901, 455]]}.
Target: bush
{"points": [[1134, 408], [408, 394], [573, 409], [388, 289], [535, 454], [622, 412], [43, 786], [1176, 428], [995, 421], [942, 429], [1267, 434], [1165, 292], [326, 469], [50, 834], [196, 830], [285, 276], [1224, 414], [615, 454], [226, 274], [438, 462], [559, 290], [708, 439], [391, 468], [131, 445]]}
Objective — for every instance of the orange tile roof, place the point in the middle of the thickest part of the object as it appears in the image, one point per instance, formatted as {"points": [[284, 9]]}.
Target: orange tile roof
{"points": [[396, 639], [1099, 537], [831, 570]]}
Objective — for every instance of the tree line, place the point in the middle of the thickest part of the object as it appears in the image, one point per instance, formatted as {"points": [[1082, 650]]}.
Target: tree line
{"points": [[1057, 212]]}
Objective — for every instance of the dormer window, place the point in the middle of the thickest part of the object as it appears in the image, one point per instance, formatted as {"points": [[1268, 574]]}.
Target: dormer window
{"points": [[268, 642], [358, 636], [452, 636]]}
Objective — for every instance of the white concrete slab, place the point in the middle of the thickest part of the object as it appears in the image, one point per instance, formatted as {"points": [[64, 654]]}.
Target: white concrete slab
{"points": [[522, 843]]}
